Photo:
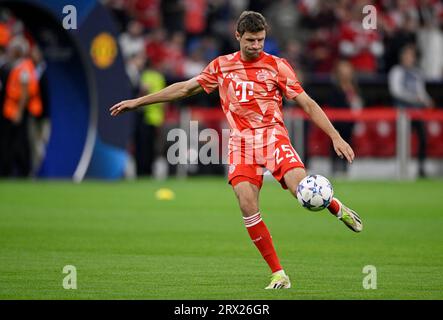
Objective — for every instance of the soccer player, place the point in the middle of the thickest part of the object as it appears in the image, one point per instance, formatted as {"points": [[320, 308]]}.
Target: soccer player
{"points": [[251, 84]]}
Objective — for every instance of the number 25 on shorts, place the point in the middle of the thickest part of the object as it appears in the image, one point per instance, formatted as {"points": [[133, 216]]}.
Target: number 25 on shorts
{"points": [[287, 152]]}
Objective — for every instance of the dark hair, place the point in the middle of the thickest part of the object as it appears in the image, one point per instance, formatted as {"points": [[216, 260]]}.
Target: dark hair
{"points": [[407, 47], [251, 21]]}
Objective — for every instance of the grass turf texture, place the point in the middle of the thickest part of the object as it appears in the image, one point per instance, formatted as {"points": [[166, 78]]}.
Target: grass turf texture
{"points": [[126, 244]]}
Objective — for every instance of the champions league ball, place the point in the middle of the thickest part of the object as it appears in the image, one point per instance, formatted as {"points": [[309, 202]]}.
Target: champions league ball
{"points": [[315, 192]]}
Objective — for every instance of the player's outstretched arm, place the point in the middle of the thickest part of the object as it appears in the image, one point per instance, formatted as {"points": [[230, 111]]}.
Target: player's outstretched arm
{"points": [[317, 115], [173, 92]]}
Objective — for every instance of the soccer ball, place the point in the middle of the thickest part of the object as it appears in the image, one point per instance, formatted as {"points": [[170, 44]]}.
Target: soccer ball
{"points": [[315, 192]]}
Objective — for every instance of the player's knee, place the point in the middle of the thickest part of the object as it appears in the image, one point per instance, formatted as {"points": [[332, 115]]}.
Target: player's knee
{"points": [[293, 178], [248, 208]]}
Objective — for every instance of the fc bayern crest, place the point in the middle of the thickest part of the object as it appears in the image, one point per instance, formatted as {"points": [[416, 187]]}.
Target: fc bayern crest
{"points": [[231, 168], [262, 75]]}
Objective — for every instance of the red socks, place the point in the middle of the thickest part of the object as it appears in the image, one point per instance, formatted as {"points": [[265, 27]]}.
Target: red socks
{"points": [[263, 241], [334, 207]]}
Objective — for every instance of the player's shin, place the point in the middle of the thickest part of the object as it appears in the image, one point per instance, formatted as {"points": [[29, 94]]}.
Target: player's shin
{"points": [[262, 239]]}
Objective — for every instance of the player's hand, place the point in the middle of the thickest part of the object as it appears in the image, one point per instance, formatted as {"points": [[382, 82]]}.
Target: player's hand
{"points": [[343, 149], [123, 106]]}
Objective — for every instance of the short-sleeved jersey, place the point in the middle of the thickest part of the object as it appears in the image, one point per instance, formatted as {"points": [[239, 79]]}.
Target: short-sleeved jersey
{"points": [[251, 95]]}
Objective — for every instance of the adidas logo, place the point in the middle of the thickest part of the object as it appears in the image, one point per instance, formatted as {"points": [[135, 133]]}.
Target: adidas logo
{"points": [[232, 76], [256, 240]]}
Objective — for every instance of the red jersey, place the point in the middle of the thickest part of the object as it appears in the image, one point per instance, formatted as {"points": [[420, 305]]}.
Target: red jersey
{"points": [[251, 95]]}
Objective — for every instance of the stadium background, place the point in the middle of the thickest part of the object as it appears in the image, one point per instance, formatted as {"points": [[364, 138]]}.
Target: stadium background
{"points": [[104, 61]]}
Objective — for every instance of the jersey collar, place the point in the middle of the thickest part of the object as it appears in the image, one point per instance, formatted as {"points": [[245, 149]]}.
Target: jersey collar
{"points": [[262, 54]]}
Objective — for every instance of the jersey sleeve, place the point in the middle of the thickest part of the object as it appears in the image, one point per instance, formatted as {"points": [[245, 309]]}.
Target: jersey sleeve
{"points": [[287, 80], [208, 77]]}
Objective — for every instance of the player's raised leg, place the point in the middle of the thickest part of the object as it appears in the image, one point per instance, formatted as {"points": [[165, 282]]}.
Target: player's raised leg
{"points": [[349, 217], [247, 194]]}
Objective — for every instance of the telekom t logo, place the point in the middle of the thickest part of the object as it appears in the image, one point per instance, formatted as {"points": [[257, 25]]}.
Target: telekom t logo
{"points": [[244, 90]]}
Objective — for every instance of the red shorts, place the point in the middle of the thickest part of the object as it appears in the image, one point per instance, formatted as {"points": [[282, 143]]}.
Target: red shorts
{"points": [[250, 166]]}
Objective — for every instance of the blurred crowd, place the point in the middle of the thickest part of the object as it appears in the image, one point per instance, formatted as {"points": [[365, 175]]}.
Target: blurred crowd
{"points": [[323, 40], [179, 37], [167, 41], [24, 125]]}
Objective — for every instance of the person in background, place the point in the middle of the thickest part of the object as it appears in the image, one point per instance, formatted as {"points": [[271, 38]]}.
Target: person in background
{"points": [[407, 87], [430, 39], [4, 74], [40, 127], [132, 42], [149, 122], [344, 95], [22, 97], [362, 47]]}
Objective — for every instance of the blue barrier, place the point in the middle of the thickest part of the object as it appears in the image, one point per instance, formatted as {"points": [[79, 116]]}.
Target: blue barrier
{"points": [[86, 75]]}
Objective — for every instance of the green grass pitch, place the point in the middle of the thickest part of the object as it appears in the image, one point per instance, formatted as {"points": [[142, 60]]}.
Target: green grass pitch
{"points": [[125, 244]]}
